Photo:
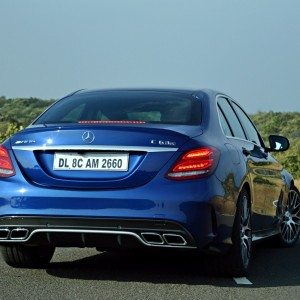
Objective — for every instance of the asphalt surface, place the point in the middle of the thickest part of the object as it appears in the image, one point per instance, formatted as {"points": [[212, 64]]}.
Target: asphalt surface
{"points": [[88, 274]]}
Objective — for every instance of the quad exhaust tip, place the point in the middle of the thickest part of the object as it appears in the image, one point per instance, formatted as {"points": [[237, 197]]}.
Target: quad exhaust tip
{"points": [[19, 234], [153, 238], [174, 239], [166, 238], [4, 233]]}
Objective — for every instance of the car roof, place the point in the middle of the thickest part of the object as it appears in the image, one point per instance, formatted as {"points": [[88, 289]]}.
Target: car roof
{"points": [[189, 92]]}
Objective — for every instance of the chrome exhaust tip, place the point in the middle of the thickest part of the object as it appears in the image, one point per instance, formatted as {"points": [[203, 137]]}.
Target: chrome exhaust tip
{"points": [[153, 238], [4, 233], [174, 239], [19, 234]]}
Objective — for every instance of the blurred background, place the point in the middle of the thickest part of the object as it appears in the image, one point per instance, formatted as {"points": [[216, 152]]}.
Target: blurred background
{"points": [[247, 49]]}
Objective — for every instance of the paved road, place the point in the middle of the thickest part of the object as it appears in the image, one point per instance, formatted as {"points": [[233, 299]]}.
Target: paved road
{"points": [[88, 274]]}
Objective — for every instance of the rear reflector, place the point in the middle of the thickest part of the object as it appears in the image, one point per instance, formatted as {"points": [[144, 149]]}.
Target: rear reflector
{"points": [[195, 163], [6, 166]]}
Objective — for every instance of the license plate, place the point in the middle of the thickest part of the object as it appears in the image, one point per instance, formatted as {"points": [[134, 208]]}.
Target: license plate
{"points": [[90, 161]]}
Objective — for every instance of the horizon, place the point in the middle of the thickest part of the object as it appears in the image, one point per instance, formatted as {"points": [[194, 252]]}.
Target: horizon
{"points": [[55, 99], [248, 50]]}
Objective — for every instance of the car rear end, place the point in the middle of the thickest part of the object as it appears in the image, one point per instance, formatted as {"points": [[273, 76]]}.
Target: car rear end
{"points": [[111, 169]]}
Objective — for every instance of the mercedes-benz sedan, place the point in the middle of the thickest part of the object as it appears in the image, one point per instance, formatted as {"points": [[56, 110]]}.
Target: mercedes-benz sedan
{"points": [[117, 169]]}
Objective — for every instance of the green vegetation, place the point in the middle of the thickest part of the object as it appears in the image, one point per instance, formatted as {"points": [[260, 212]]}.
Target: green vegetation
{"points": [[288, 125], [21, 111], [18, 113]]}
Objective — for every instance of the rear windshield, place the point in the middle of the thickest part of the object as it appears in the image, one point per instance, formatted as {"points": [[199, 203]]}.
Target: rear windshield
{"points": [[106, 108]]}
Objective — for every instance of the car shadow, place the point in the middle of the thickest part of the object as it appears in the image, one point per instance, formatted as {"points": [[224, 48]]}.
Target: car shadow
{"points": [[271, 266]]}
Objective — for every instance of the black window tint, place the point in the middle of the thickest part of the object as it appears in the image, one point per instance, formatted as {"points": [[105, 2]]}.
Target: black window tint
{"points": [[251, 132], [231, 118], [150, 107], [74, 114], [224, 124]]}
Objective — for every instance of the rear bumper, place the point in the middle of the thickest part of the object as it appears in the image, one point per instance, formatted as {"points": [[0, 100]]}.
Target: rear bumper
{"points": [[192, 209], [94, 232]]}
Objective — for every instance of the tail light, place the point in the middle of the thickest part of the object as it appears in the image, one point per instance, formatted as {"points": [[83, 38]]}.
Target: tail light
{"points": [[195, 163], [6, 166]]}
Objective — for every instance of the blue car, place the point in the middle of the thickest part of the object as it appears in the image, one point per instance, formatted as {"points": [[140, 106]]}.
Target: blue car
{"points": [[156, 169]]}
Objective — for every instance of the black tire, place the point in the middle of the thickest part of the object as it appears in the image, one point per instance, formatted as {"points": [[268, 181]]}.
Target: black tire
{"points": [[289, 226], [240, 254], [21, 256], [236, 262]]}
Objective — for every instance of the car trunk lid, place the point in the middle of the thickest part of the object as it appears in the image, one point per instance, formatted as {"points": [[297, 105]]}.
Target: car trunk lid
{"points": [[45, 154]]}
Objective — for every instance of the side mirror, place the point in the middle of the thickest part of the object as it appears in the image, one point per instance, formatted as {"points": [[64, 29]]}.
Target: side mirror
{"points": [[278, 143]]}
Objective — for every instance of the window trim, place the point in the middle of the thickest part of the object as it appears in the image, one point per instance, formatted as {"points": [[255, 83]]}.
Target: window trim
{"points": [[229, 99], [260, 138], [220, 111]]}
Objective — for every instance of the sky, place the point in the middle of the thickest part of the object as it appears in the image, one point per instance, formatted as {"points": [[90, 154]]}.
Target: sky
{"points": [[249, 50]]}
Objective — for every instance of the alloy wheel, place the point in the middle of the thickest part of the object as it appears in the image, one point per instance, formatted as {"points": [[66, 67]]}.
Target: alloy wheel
{"points": [[246, 232], [290, 224]]}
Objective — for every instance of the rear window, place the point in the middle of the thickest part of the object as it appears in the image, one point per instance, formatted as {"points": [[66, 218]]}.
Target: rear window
{"points": [[160, 108]]}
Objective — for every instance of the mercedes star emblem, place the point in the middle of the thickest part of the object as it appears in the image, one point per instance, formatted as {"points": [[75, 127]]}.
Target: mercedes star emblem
{"points": [[88, 137]]}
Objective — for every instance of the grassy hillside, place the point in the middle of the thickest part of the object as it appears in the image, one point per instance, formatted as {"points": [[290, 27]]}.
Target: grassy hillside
{"points": [[18, 113], [21, 111], [286, 124]]}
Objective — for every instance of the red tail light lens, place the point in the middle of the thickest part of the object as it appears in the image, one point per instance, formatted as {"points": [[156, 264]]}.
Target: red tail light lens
{"points": [[6, 166], [195, 163]]}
